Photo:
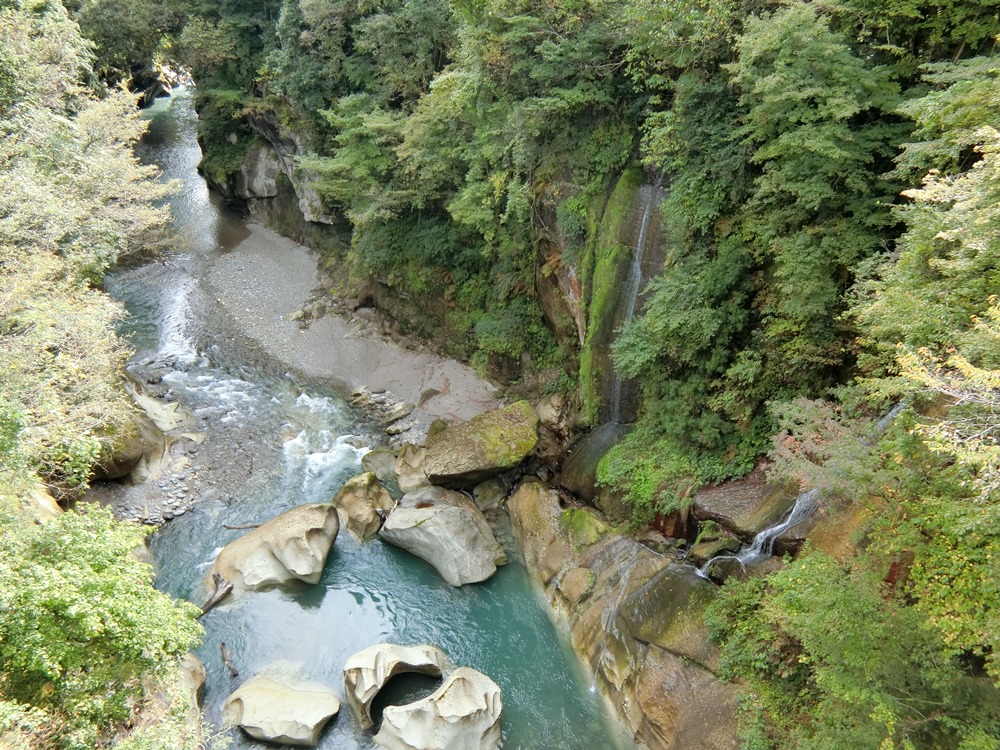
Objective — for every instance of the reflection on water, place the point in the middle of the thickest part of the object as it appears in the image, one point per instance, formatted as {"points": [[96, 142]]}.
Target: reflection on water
{"points": [[303, 445]]}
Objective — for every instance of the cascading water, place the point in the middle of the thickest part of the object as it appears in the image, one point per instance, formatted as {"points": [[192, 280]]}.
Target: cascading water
{"points": [[633, 283], [762, 546], [268, 443], [806, 503]]}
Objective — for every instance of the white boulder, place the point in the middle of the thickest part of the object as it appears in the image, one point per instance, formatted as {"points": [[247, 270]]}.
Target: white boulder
{"points": [[358, 504], [447, 530], [292, 546], [279, 709], [465, 712], [367, 672]]}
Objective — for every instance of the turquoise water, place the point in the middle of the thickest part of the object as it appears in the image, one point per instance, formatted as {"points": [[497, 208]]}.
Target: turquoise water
{"points": [[303, 443]]}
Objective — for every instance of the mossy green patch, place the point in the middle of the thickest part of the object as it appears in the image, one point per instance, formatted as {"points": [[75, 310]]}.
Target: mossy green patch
{"points": [[605, 262], [582, 526], [511, 436]]}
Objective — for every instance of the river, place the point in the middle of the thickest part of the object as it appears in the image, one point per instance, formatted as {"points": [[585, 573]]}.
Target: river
{"points": [[261, 441]]}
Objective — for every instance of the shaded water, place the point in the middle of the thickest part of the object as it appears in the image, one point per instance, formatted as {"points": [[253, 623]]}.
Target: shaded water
{"points": [[270, 443]]}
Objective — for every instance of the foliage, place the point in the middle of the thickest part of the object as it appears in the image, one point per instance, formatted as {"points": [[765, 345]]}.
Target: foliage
{"points": [[81, 627], [80, 623], [831, 645], [128, 35], [818, 206]]}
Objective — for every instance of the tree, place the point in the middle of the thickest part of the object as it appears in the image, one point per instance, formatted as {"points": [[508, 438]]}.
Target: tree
{"points": [[80, 622], [815, 120]]}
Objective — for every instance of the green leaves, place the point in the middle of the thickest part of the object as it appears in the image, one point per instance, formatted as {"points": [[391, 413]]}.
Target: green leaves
{"points": [[80, 623], [819, 204]]}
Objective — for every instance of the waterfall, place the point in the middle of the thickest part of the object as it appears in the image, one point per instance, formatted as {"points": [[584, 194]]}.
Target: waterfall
{"points": [[633, 284], [762, 545], [806, 504]]}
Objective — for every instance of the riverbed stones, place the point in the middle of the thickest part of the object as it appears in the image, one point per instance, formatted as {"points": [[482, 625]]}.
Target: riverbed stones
{"points": [[291, 546], [465, 712], [368, 671], [447, 530], [361, 503], [465, 454], [279, 709]]}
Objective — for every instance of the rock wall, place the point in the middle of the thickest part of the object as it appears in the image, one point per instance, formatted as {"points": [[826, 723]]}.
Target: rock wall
{"points": [[635, 617]]}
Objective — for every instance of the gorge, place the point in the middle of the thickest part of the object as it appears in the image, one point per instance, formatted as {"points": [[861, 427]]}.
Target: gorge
{"points": [[690, 308]]}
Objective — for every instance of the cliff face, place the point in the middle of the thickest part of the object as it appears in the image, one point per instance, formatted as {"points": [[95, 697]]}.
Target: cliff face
{"points": [[580, 277], [635, 617]]}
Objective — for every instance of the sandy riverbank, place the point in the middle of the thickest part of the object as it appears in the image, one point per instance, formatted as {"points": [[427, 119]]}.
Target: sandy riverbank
{"points": [[267, 277]]}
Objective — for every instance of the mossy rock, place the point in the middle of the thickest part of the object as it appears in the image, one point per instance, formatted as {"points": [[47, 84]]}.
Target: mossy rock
{"points": [[668, 611], [582, 526], [705, 551], [122, 449], [466, 454]]}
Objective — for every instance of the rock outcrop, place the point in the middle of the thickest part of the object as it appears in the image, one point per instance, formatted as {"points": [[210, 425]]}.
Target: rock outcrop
{"points": [[359, 503], [292, 546], [447, 530], [465, 712], [634, 615], [368, 671], [468, 453], [278, 709], [744, 506], [409, 468]]}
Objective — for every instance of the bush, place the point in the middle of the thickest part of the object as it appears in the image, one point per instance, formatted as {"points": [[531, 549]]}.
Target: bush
{"points": [[80, 623]]}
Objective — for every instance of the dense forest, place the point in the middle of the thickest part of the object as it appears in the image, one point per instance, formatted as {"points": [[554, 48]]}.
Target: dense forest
{"points": [[831, 229]]}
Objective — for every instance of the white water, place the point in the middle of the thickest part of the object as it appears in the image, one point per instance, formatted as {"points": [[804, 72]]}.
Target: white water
{"points": [[762, 545], [633, 284]]}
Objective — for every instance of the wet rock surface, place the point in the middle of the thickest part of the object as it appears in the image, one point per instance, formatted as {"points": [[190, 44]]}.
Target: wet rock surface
{"points": [[633, 615]]}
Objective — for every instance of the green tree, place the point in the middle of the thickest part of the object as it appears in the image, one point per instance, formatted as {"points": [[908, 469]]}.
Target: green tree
{"points": [[80, 623], [815, 118]]}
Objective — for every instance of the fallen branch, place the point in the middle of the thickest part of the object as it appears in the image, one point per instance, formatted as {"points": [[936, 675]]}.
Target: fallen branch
{"points": [[239, 526], [227, 660], [222, 589]]}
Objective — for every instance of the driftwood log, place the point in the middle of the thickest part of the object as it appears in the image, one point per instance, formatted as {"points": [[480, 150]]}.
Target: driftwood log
{"points": [[222, 589], [227, 659], [240, 526]]}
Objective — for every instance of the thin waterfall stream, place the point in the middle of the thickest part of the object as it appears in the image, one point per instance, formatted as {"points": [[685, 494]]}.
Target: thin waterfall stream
{"points": [[633, 282], [255, 441]]}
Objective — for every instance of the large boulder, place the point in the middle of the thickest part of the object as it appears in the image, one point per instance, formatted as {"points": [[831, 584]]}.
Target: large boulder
{"points": [[466, 454], [447, 530], [368, 671], [358, 504], [744, 506], [382, 463], [278, 709], [292, 546], [123, 447], [579, 470], [465, 712]]}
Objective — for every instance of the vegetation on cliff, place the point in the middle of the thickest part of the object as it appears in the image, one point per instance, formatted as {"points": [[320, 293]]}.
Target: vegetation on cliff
{"points": [[82, 631], [831, 249], [830, 232]]}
